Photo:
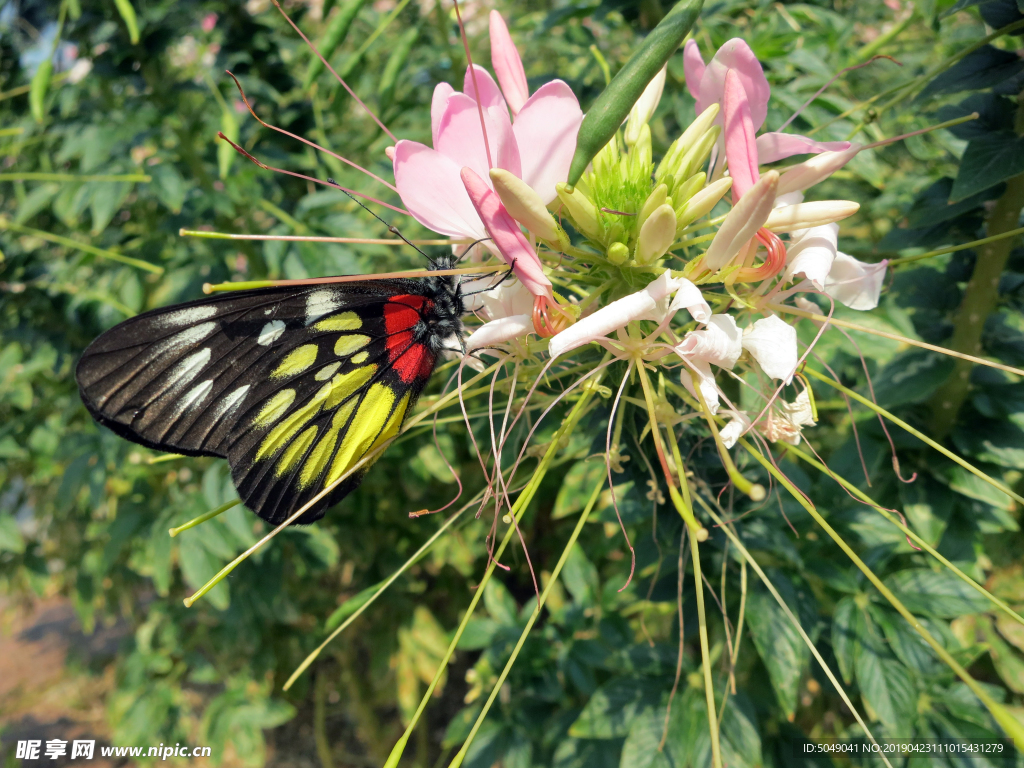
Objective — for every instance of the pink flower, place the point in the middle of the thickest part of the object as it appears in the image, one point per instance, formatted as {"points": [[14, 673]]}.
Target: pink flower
{"points": [[209, 22], [735, 79], [537, 148]]}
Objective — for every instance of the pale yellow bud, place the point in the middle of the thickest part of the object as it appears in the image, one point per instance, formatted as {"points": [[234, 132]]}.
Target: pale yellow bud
{"points": [[524, 205], [656, 235], [743, 221], [697, 154], [640, 152], [654, 200], [643, 110], [580, 210], [694, 131], [701, 203], [807, 215], [690, 187]]}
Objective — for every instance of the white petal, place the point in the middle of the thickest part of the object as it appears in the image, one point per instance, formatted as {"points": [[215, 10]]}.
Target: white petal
{"points": [[642, 305], [708, 387], [499, 331], [812, 254], [719, 343], [689, 296], [772, 343], [735, 429], [799, 411], [855, 283]]}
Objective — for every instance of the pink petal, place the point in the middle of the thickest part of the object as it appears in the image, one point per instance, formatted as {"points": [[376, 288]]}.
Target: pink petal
{"points": [[507, 65], [437, 105], [777, 146], [490, 94], [740, 147], [545, 132], [506, 235], [431, 187], [459, 136], [693, 68], [736, 54]]}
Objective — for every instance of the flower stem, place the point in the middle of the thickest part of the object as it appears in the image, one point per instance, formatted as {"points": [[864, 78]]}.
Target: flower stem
{"points": [[698, 533], [921, 542], [981, 296], [457, 761], [919, 435], [1009, 723], [521, 503]]}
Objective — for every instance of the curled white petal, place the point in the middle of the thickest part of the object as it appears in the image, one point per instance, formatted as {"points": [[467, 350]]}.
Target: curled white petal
{"points": [[855, 283], [799, 411], [688, 296], [772, 343], [499, 331], [721, 342], [642, 305], [706, 381], [812, 254], [735, 429]]}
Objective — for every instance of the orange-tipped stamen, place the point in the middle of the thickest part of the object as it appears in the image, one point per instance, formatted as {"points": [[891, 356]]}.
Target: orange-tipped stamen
{"points": [[549, 318], [307, 142], [774, 261], [264, 166], [337, 77]]}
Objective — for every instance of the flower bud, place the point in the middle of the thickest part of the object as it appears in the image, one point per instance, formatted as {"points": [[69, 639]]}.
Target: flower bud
{"points": [[580, 210], [654, 200], [690, 187], [818, 168], [746, 217], [807, 215], [618, 253], [656, 235], [701, 203], [524, 205], [643, 110], [639, 155], [697, 154], [694, 131]]}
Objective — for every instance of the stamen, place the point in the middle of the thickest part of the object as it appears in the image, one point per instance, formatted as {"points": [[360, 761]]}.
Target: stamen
{"points": [[929, 129], [311, 239], [252, 284], [336, 75], [265, 124], [835, 77], [204, 517], [774, 262], [266, 167]]}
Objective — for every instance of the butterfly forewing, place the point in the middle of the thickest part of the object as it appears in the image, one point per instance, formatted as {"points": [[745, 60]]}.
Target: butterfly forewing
{"points": [[292, 386]]}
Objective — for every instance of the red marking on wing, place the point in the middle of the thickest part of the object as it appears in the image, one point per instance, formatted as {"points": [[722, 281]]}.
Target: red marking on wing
{"points": [[411, 361]]}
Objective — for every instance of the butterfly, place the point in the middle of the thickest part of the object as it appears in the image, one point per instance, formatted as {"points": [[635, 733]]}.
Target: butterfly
{"points": [[293, 385]]}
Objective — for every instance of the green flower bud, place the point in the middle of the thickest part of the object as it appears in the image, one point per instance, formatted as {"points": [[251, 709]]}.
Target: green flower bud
{"points": [[656, 235], [618, 253], [654, 200], [524, 205], [702, 202], [580, 209]]}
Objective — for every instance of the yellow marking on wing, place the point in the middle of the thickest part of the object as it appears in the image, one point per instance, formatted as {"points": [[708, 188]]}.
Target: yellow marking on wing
{"points": [[296, 361], [346, 321], [346, 345], [394, 422], [295, 451], [275, 407], [366, 425], [317, 460], [328, 397], [325, 373], [360, 357]]}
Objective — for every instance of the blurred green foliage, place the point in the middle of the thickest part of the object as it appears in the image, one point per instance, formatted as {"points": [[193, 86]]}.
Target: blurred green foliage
{"points": [[85, 514]]}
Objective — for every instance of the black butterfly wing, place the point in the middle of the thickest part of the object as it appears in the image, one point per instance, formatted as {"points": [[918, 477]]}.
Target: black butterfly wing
{"points": [[293, 386]]}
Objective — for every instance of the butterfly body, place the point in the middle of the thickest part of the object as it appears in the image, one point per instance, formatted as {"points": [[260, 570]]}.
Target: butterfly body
{"points": [[292, 385]]}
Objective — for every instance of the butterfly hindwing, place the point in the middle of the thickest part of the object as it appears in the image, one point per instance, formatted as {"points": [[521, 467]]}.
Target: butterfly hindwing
{"points": [[293, 386]]}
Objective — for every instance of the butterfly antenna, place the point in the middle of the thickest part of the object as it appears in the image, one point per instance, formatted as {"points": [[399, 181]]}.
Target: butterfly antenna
{"points": [[391, 227]]}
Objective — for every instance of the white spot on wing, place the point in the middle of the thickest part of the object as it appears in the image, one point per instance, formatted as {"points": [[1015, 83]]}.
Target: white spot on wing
{"points": [[187, 316], [186, 338], [320, 303], [188, 368], [271, 332], [194, 396], [230, 401]]}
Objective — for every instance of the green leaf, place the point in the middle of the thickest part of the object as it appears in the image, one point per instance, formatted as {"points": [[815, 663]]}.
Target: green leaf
{"points": [[169, 186], [580, 577], [935, 593], [641, 747], [783, 651], [124, 7], [350, 606], [225, 152], [972, 486], [928, 506], [1008, 662], [987, 161], [847, 628], [35, 201], [572, 496], [980, 69], [911, 377], [997, 441], [105, 201], [905, 642], [10, 536], [499, 603], [198, 566], [337, 29], [612, 708], [888, 688]]}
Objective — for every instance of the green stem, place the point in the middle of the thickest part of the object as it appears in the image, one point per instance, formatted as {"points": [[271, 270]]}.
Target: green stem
{"points": [[204, 517], [1009, 723], [521, 503], [954, 248], [74, 177], [916, 433], [921, 542], [457, 761], [876, 45], [67, 242], [980, 298]]}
